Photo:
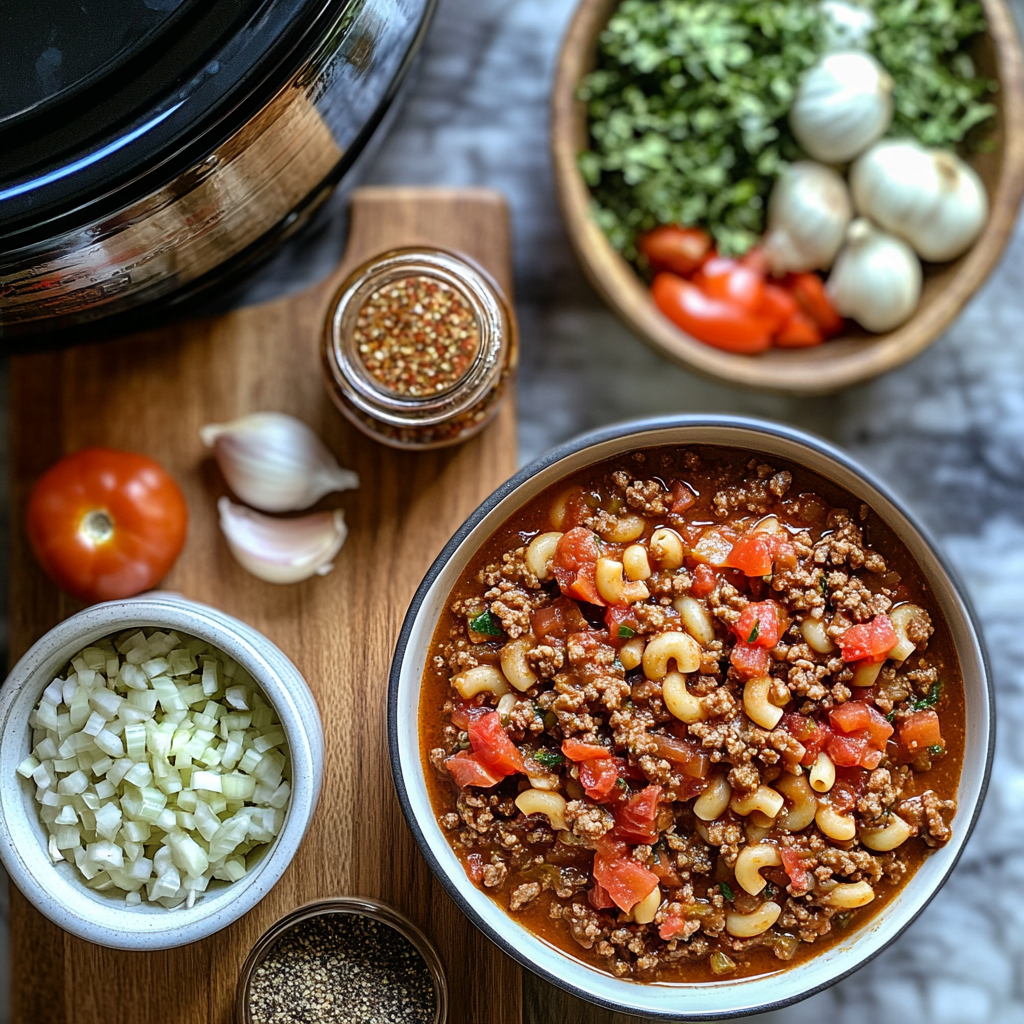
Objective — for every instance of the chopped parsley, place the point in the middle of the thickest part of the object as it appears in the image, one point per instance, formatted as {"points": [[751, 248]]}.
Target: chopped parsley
{"points": [[755, 632], [626, 632], [929, 700], [548, 758], [843, 919], [726, 891], [486, 624], [891, 717], [769, 891], [936, 749]]}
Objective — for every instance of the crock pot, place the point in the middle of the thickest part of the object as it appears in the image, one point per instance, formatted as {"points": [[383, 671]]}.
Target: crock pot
{"points": [[149, 148]]}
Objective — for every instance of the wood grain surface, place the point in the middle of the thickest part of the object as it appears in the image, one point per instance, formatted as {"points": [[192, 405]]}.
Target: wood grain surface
{"points": [[857, 355], [152, 393]]}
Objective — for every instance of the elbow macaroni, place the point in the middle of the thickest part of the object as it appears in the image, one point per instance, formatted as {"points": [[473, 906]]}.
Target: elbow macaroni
{"points": [[696, 619], [901, 617], [626, 527], [635, 563], [813, 632], [613, 588], [823, 773], [751, 861], [476, 680], [678, 699], [673, 646], [712, 803], [763, 799], [514, 664], [835, 825], [537, 801], [798, 792], [540, 552], [631, 653], [849, 895], [746, 926], [758, 707], [667, 548], [888, 837], [647, 908]]}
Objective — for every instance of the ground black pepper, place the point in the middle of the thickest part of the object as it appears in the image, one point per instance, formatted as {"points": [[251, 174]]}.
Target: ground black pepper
{"points": [[342, 969]]}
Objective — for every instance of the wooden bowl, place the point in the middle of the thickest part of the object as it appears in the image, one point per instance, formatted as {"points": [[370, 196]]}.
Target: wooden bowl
{"points": [[857, 355]]}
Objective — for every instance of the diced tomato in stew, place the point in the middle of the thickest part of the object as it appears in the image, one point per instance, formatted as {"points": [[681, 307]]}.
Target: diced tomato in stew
{"points": [[704, 580], [575, 564], [749, 660], [578, 750], [856, 715], [625, 880], [467, 712], [475, 867], [634, 819], [795, 863], [812, 734], [622, 623], [685, 753], [682, 497], [664, 866], [920, 731], [598, 896], [760, 624], [752, 555], [603, 778], [848, 788], [491, 745], [868, 641], [467, 770], [672, 926]]}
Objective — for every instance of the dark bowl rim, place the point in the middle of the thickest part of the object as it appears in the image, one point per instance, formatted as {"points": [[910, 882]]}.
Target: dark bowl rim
{"points": [[572, 447]]}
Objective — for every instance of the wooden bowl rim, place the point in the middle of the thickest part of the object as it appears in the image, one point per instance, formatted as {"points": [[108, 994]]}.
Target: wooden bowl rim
{"points": [[824, 369]]}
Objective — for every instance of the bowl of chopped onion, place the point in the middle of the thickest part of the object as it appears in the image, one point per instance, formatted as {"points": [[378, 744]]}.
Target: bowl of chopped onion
{"points": [[158, 756]]}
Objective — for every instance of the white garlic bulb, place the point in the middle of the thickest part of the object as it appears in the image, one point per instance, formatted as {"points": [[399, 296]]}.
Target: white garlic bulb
{"points": [[876, 279], [282, 550], [808, 213], [843, 104], [928, 197], [274, 462]]}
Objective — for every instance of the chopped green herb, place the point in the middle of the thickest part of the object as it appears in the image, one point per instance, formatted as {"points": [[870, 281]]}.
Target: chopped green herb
{"points": [[486, 624], [769, 891], [755, 632], [929, 700], [726, 891], [891, 717], [843, 920], [688, 103], [550, 720], [626, 632], [936, 749], [548, 758]]}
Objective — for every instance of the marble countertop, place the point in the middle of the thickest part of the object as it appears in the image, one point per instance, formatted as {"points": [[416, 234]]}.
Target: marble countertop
{"points": [[946, 432]]}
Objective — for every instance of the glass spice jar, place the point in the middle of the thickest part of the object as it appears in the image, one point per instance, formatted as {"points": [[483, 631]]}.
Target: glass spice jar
{"points": [[419, 345]]}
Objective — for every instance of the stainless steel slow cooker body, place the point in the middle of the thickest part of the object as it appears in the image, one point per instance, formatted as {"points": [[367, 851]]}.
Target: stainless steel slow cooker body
{"points": [[106, 207]]}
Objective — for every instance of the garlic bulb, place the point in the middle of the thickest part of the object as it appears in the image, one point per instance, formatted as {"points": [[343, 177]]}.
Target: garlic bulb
{"points": [[928, 197], [876, 279], [843, 104], [808, 214], [847, 26], [282, 550], [274, 462]]}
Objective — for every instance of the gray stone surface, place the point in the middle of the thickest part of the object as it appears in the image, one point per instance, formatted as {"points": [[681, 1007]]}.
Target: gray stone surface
{"points": [[947, 432]]}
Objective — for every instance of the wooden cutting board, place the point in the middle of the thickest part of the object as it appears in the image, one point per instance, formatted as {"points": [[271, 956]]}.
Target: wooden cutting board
{"points": [[151, 393]]}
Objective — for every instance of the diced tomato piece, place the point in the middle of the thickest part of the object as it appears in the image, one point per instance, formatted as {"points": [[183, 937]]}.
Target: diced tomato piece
{"points": [[625, 880], [752, 555], [795, 863], [467, 770], [704, 579], [622, 623], [546, 620], [670, 247], [682, 497], [846, 751], [920, 731], [475, 867], [868, 641], [684, 753], [575, 563], [812, 734], [777, 305], [634, 819], [663, 864], [491, 745], [577, 750], [799, 331], [716, 322], [809, 290], [602, 778], [598, 896], [750, 661], [848, 788], [466, 712], [672, 926], [732, 280], [759, 624], [850, 716]]}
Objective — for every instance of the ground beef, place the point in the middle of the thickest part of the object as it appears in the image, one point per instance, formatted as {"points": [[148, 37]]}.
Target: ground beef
{"points": [[648, 497], [546, 659], [880, 795], [928, 813], [844, 545], [854, 865], [495, 874], [522, 894], [512, 605], [744, 779], [584, 924], [587, 820], [856, 601]]}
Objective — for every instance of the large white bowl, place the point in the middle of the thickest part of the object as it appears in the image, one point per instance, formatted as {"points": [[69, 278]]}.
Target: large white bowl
{"points": [[58, 890], [724, 998]]}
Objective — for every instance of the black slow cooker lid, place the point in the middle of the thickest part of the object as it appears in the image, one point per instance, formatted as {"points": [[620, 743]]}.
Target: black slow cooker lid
{"points": [[103, 100]]}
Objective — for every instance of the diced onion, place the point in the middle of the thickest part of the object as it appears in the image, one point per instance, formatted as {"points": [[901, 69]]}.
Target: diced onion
{"points": [[158, 766]]}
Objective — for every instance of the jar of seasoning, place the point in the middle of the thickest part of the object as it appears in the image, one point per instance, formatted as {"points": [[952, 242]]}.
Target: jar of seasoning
{"points": [[349, 960], [418, 348]]}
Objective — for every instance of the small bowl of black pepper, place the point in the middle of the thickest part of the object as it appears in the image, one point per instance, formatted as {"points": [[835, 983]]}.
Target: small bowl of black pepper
{"points": [[349, 960]]}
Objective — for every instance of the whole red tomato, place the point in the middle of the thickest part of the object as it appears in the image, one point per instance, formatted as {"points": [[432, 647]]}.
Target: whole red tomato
{"points": [[106, 524]]}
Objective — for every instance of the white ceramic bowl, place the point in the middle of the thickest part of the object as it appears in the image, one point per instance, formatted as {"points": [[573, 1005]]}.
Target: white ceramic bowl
{"points": [[724, 998], [57, 890]]}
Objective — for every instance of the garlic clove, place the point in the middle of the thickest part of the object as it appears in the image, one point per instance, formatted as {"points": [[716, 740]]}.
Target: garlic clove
{"points": [[876, 279], [808, 213], [960, 214], [282, 550], [274, 462], [842, 105]]}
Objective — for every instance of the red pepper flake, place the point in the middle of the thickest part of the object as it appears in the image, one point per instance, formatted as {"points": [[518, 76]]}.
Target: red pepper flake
{"points": [[417, 336]]}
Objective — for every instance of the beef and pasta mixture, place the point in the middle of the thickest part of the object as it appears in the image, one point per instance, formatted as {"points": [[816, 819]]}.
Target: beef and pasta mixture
{"points": [[692, 716]]}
